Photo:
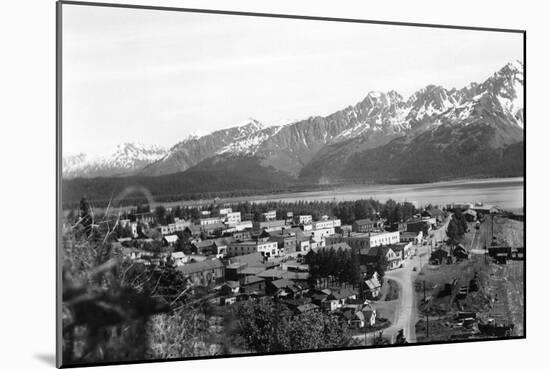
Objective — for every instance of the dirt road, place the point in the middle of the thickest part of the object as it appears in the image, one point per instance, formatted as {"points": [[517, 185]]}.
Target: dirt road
{"points": [[405, 312]]}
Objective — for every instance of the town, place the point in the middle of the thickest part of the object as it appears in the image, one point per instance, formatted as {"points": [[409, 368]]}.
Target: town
{"points": [[372, 273]]}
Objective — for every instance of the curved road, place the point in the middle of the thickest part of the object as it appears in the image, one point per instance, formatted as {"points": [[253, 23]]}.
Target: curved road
{"points": [[406, 313]]}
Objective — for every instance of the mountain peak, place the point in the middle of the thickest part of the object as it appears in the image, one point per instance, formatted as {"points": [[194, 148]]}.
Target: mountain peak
{"points": [[381, 99], [512, 67], [253, 124]]}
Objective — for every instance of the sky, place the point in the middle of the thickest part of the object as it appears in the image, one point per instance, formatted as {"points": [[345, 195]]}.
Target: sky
{"points": [[155, 77]]}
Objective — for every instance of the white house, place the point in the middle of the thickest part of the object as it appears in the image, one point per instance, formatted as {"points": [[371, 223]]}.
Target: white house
{"points": [[170, 239], [225, 211], [233, 218], [210, 221], [327, 223], [179, 258], [415, 238], [270, 215], [249, 247], [304, 219], [319, 235]]}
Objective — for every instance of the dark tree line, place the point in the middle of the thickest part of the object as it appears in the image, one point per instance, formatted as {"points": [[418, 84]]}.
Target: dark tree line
{"points": [[347, 211]]}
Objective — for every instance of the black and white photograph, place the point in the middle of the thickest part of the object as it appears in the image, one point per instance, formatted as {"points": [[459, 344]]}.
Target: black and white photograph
{"points": [[237, 184]]}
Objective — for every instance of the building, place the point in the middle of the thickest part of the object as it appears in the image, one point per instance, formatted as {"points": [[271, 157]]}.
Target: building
{"points": [[304, 308], [335, 299], [252, 285], [485, 208], [179, 258], [461, 205], [286, 241], [205, 247], [335, 246], [319, 235], [192, 230], [294, 266], [266, 249], [230, 288], [414, 237], [269, 216], [470, 215], [375, 256], [402, 249], [215, 229], [367, 225], [170, 240], [358, 316], [372, 287], [278, 287], [398, 226], [233, 218], [418, 226], [303, 219], [325, 224], [178, 226], [243, 225], [242, 235], [203, 272], [435, 213], [370, 315], [303, 243], [270, 226], [344, 229], [225, 211], [359, 241], [210, 221]]}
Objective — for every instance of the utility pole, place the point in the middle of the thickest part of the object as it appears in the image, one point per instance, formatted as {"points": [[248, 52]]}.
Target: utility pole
{"points": [[424, 283], [427, 325], [427, 313]]}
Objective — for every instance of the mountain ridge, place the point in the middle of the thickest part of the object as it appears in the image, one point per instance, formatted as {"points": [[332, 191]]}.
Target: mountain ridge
{"points": [[381, 117]]}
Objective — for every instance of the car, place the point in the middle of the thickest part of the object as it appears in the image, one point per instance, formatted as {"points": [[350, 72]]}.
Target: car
{"points": [[414, 269]]}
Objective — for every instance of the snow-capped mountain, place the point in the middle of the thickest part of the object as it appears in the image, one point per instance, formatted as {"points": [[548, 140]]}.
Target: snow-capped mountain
{"points": [[323, 144], [124, 159], [187, 153], [474, 131]]}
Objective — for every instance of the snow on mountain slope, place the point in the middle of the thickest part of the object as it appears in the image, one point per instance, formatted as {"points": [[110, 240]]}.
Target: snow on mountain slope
{"points": [[124, 159], [193, 150], [290, 145]]}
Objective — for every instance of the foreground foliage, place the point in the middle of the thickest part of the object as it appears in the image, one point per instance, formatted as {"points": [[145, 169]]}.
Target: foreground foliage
{"points": [[269, 326]]}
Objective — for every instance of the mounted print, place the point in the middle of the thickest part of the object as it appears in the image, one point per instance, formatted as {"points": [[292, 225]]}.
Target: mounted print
{"points": [[235, 184]]}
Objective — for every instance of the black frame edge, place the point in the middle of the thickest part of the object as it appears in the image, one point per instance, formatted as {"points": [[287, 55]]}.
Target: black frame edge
{"points": [[58, 169], [287, 16]]}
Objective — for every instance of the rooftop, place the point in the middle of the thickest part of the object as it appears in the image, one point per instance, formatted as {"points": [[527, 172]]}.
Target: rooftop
{"points": [[364, 221], [282, 283], [251, 279], [336, 246], [253, 259], [200, 266]]}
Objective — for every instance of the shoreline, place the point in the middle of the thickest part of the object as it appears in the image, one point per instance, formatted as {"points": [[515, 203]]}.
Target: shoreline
{"points": [[353, 190]]}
